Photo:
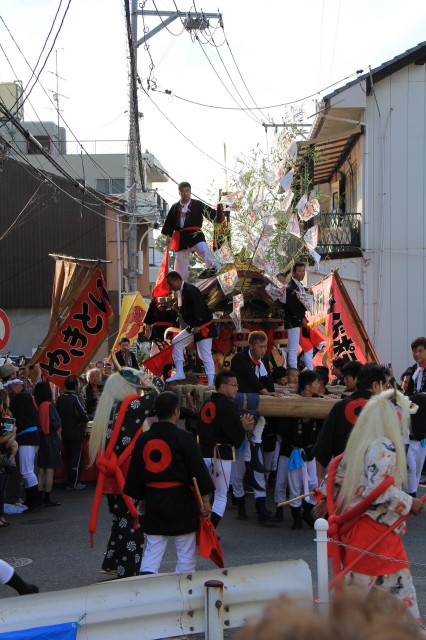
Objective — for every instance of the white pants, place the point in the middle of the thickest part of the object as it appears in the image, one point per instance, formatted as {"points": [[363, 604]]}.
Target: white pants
{"points": [[302, 481], [309, 359], [221, 482], [27, 454], [6, 572], [415, 460], [204, 350], [281, 481], [186, 550], [293, 336], [201, 249], [238, 469]]}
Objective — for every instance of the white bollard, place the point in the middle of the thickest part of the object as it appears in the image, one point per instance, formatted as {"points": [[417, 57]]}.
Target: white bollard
{"points": [[321, 528], [213, 611]]}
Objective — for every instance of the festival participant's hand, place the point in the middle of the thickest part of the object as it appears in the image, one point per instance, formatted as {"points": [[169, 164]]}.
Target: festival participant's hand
{"points": [[416, 507], [206, 510], [247, 421], [276, 394], [320, 511], [196, 330], [168, 240]]}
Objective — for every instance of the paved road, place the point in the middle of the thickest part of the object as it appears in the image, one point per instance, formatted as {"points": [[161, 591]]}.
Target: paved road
{"points": [[56, 541]]}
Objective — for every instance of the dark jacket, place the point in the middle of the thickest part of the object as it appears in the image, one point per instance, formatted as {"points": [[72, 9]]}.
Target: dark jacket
{"points": [[24, 411], [163, 455], [412, 387], [194, 218], [219, 424], [245, 371], [299, 433], [195, 311], [294, 309], [337, 427], [73, 415], [164, 318], [120, 359]]}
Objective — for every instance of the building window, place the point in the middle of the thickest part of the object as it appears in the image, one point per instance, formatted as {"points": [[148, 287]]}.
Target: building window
{"points": [[155, 257], [113, 186], [45, 142]]}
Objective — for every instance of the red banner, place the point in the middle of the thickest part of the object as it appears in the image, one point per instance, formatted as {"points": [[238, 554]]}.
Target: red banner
{"points": [[345, 333], [161, 287], [78, 337]]}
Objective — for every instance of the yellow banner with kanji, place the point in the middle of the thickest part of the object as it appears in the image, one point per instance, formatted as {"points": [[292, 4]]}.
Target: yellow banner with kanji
{"points": [[133, 310]]}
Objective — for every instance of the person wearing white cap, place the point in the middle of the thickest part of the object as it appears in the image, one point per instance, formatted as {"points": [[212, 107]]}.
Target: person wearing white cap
{"points": [[8, 371]]}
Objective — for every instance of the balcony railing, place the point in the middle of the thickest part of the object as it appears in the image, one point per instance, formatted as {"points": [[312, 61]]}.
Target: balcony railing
{"points": [[339, 232], [339, 236]]}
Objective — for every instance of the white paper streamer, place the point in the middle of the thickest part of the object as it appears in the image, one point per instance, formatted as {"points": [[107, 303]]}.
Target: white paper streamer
{"points": [[224, 255], [293, 226], [311, 238], [228, 281]]}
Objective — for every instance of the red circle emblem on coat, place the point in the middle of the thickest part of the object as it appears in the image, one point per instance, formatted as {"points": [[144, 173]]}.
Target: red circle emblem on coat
{"points": [[208, 412], [350, 409], [157, 455]]}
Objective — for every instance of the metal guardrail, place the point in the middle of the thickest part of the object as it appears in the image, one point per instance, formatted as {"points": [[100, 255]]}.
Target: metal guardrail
{"points": [[162, 606], [339, 230], [339, 234]]}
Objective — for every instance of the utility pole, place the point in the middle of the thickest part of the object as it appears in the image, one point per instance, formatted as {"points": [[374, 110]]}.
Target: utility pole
{"points": [[133, 114], [192, 21]]}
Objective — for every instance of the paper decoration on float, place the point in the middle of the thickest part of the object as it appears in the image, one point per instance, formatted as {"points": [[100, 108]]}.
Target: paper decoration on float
{"points": [[224, 255], [238, 303], [280, 248], [260, 261], [316, 256], [291, 152], [293, 226], [306, 299], [285, 181], [287, 200], [276, 293], [228, 281], [311, 238], [308, 208], [236, 321]]}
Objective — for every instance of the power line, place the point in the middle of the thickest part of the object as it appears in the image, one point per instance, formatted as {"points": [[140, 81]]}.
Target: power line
{"points": [[238, 69], [233, 84], [49, 52], [163, 23], [168, 92], [62, 155], [183, 135], [226, 88], [93, 193]]}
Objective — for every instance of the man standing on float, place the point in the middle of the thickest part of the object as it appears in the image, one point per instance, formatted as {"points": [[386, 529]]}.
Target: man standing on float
{"points": [[182, 229]]}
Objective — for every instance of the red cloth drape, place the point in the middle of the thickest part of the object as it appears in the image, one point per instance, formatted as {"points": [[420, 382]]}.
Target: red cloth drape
{"points": [[161, 287]]}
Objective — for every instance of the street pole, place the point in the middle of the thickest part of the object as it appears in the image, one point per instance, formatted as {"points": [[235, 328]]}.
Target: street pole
{"points": [[192, 21], [132, 205]]}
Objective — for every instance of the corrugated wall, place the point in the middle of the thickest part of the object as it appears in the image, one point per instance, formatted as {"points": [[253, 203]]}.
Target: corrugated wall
{"points": [[396, 137], [53, 222]]}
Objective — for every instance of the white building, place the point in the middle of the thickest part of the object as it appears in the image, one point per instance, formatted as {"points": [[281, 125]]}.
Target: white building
{"points": [[370, 170]]}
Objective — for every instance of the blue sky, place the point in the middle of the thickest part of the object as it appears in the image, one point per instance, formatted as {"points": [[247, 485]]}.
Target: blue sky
{"points": [[284, 50]]}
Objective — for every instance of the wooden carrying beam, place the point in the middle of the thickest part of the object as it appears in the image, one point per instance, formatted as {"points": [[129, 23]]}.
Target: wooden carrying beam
{"points": [[293, 406]]}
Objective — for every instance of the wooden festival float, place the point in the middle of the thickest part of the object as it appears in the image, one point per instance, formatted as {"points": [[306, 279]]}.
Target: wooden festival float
{"points": [[260, 312]]}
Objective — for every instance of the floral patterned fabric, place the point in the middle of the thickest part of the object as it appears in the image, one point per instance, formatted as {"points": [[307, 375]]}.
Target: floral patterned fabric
{"points": [[379, 463]]}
